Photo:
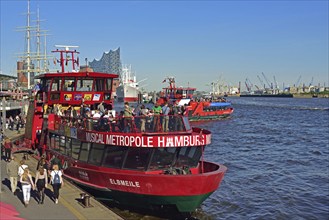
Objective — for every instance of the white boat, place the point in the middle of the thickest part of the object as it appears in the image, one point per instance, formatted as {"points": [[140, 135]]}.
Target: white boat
{"points": [[128, 89]]}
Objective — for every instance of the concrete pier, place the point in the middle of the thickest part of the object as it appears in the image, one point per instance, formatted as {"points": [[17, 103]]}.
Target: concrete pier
{"points": [[69, 206]]}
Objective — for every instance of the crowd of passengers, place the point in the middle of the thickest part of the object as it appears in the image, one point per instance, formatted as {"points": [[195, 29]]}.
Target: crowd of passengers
{"points": [[156, 118]]}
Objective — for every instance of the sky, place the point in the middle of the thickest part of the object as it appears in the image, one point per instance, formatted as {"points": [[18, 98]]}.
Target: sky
{"points": [[197, 42]]}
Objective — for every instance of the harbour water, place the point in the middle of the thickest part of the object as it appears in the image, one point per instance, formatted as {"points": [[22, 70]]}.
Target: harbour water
{"points": [[277, 154]]}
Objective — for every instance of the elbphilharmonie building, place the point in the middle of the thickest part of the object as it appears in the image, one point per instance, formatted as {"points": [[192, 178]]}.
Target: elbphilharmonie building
{"points": [[109, 63]]}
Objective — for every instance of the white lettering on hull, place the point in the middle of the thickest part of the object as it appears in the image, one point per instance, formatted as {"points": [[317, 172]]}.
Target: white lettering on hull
{"points": [[124, 183], [149, 141]]}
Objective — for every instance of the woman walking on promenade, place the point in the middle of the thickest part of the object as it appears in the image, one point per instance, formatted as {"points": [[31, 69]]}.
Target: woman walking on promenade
{"points": [[41, 181], [27, 184], [56, 181]]}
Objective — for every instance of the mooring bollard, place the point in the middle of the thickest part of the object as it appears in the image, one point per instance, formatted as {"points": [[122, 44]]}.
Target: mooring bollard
{"points": [[85, 199]]}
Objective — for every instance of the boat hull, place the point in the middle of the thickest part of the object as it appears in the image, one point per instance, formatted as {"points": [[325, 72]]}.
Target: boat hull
{"points": [[127, 93], [150, 191], [209, 117]]}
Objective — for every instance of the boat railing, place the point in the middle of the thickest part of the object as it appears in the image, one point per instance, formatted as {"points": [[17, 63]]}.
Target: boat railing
{"points": [[155, 124]]}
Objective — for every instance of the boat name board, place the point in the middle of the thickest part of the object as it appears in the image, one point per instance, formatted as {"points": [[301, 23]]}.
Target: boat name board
{"points": [[148, 141]]}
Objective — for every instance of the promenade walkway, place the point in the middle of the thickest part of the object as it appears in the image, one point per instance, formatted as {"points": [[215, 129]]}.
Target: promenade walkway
{"points": [[69, 206]]}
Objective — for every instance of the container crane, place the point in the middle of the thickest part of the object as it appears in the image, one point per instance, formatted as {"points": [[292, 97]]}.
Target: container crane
{"points": [[297, 82], [311, 83], [261, 81], [248, 85], [267, 81]]}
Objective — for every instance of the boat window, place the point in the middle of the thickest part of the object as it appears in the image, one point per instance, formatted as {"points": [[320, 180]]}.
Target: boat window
{"points": [[96, 154], [84, 84], [75, 148], [62, 147], [54, 142], [114, 156], [56, 85], [107, 96], [99, 85], [188, 156], [162, 158], [68, 146], [137, 158], [84, 151], [108, 85], [69, 84]]}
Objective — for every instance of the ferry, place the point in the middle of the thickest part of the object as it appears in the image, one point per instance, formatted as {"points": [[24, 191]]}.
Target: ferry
{"points": [[141, 168], [204, 109]]}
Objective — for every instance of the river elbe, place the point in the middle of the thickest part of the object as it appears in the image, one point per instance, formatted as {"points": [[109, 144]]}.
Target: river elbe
{"points": [[277, 154]]}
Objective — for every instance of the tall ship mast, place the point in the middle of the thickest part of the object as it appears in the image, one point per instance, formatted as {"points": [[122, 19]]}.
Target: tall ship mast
{"points": [[31, 63]]}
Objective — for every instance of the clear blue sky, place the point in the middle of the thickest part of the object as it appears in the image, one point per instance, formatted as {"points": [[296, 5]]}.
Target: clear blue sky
{"points": [[196, 41]]}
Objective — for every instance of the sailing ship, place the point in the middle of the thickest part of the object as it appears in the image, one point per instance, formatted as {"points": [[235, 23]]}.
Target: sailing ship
{"points": [[119, 159], [128, 90]]}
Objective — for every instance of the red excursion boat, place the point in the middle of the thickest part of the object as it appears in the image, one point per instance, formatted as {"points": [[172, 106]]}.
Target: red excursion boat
{"points": [[204, 109], [139, 168]]}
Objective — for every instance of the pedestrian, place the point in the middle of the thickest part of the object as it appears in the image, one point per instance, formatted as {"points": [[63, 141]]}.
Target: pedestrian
{"points": [[27, 185], [56, 181], [12, 171], [42, 163], [55, 161], [41, 181], [8, 146], [22, 167]]}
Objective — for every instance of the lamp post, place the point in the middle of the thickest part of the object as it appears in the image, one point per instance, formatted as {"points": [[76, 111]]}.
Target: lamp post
{"points": [[3, 106]]}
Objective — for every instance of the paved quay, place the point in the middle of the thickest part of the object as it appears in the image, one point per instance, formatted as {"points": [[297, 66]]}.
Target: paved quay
{"points": [[69, 206]]}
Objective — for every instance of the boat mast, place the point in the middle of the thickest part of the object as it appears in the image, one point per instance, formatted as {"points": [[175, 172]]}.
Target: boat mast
{"points": [[67, 58]]}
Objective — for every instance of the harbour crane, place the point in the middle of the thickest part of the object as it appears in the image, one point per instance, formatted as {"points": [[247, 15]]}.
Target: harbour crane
{"points": [[267, 81], [297, 82], [311, 83], [248, 85], [261, 81]]}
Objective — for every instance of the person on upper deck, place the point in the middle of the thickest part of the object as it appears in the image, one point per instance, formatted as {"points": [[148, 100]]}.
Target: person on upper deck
{"points": [[101, 107], [128, 115], [157, 110], [165, 120]]}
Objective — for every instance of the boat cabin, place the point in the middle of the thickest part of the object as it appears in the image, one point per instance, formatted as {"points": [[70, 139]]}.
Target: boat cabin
{"points": [[75, 88]]}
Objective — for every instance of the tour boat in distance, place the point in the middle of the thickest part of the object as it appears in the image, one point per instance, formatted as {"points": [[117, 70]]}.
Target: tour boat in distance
{"points": [[128, 89], [129, 160], [203, 109]]}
